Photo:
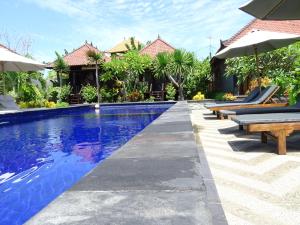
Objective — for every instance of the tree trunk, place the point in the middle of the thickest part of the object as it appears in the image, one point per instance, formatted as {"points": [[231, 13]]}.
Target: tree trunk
{"points": [[180, 89], [97, 83], [173, 81], [60, 85]]}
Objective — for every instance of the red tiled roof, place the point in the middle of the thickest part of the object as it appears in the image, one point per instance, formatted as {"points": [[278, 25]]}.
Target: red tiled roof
{"points": [[156, 47], [286, 26], [78, 57]]}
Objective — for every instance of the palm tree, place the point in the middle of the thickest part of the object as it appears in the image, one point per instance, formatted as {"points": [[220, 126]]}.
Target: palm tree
{"points": [[133, 46], [182, 64], [161, 67], [97, 58], [60, 66], [175, 66]]}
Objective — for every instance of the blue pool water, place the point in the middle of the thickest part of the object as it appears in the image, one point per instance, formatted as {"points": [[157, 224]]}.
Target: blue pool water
{"points": [[41, 158]]}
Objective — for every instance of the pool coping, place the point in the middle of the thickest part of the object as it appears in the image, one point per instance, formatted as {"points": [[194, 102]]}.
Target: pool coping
{"points": [[175, 174], [92, 105]]}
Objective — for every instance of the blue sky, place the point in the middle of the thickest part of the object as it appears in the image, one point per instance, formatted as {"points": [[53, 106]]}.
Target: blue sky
{"points": [[55, 25]]}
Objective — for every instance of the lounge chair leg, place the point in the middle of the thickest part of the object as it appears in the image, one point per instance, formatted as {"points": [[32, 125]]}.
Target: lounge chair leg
{"points": [[222, 116], [281, 142], [241, 127], [264, 138]]}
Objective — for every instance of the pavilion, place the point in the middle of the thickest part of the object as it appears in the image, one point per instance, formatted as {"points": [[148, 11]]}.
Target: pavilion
{"points": [[156, 86], [81, 69]]}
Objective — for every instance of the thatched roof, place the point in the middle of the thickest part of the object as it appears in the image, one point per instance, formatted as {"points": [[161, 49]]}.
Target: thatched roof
{"points": [[121, 47]]}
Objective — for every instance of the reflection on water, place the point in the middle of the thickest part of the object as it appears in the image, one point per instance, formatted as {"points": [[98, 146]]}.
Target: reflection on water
{"points": [[42, 158]]}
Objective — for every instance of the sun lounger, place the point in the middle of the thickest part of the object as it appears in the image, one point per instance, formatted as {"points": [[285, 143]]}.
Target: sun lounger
{"points": [[275, 125], [236, 112], [253, 94], [8, 103], [262, 101]]}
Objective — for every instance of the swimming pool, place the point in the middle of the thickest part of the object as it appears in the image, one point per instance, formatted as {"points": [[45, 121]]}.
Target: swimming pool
{"points": [[47, 153]]}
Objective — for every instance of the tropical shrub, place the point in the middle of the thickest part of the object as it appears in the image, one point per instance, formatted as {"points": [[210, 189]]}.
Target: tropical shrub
{"points": [[199, 96], [126, 71], [13, 94], [199, 79], [52, 94], [135, 96], [31, 104], [218, 96], [62, 104], [221, 96], [109, 94], [65, 92], [264, 82], [43, 103], [150, 99], [229, 97], [280, 66], [29, 92], [171, 92], [49, 104], [89, 93]]}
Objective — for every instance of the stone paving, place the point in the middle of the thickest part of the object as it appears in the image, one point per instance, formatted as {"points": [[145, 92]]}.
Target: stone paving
{"points": [[255, 185], [157, 178]]}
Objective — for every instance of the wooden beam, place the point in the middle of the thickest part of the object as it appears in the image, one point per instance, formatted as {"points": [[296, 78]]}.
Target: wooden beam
{"points": [[218, 108], [273, 126]]}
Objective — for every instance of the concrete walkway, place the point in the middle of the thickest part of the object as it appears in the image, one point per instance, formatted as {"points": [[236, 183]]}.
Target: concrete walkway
{"points": [[256, 186], [156, 178]]}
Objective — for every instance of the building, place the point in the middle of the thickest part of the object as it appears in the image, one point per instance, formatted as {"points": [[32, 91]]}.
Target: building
{"points": [[121, 47], [224, 84], [156, 85], [81, 69]]}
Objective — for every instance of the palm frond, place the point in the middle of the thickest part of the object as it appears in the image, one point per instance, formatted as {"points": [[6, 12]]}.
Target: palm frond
{"points": [[94, 56], [60, 64]]}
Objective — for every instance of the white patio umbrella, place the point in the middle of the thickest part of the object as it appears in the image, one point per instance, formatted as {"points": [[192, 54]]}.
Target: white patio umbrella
{"points": [[257, 41], [273, 9], [10, 61]]}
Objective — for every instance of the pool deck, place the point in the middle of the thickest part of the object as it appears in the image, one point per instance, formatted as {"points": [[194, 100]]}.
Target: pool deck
{"points": [[256, 186], [158, 177]]}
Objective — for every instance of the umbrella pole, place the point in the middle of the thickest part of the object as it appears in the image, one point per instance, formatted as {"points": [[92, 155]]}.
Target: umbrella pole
{"points": [[257, 67]]}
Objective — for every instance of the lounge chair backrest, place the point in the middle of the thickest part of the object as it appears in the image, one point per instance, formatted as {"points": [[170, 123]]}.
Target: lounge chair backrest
{"points": [[265, 94], [253, 94], [8, 102], [297, 104]]}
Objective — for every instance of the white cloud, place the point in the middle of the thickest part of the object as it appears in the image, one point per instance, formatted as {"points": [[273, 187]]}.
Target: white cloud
{"points": [[184, 23]]}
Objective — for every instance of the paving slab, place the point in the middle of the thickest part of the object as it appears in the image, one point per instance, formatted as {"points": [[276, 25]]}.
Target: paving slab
{"points": [[144, 174], [156, 178], [160, 149], [127, 208]]}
